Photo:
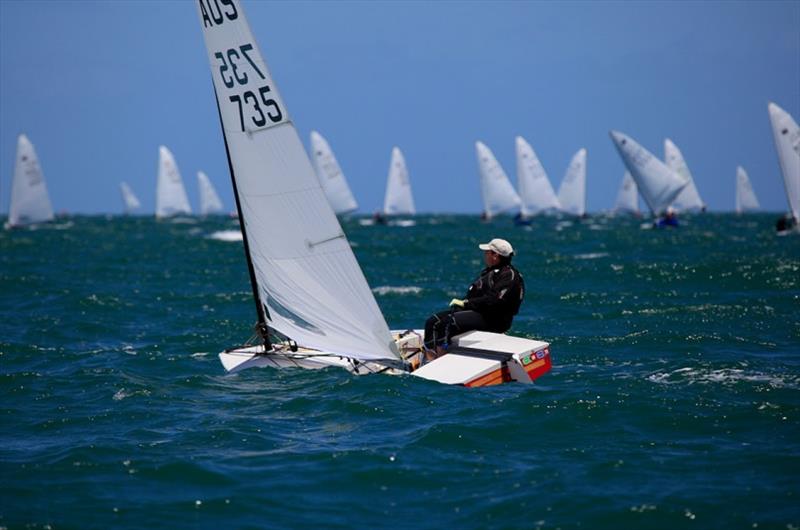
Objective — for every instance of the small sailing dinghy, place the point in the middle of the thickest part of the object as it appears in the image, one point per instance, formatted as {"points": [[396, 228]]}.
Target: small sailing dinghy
{"points": [[746, 200], [129, 200], [535, 190], [314, 306], [496, 190], [331, 177], [30, 203], [210, 203], [572, 192], [171, 199], [398, 201], [689, 199], [787, 142]]}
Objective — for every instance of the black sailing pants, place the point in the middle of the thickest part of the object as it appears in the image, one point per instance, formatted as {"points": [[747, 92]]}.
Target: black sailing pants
{"points": [[441, 326]]}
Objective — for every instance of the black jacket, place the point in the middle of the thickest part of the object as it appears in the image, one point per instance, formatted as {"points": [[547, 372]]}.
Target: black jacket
{"points": [[497, 295]]}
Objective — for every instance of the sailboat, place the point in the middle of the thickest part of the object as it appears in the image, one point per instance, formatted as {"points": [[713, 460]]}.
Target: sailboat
{"points": [[535, 191], [210, 202], [398, 199], [496, 190], [331, 177], [129, 200], [314, 306], [30, 203], [745, 196], [171, 196], [688, 199], [627, 196], [572, 192], [658, 184], [787, 142]]}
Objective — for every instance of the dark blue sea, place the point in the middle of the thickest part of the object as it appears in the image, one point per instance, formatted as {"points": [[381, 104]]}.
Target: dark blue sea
{"points": [[674, 399]]}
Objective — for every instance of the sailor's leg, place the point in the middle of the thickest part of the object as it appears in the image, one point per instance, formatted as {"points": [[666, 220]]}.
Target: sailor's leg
{"points": [[435, 329], [463, 321]]}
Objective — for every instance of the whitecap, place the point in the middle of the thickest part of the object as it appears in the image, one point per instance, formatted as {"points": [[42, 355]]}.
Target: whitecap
{"points": [[591, 255], [226, 235], [387, 289]]}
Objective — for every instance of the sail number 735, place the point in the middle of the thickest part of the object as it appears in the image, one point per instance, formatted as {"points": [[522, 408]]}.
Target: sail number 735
{"points": [[257, 108]]}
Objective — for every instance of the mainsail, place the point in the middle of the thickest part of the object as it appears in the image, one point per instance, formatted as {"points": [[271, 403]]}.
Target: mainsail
{"points": [[307, 282], [745, 196], [209, 200], [129, 200], [535, 191], [688, 199], [657, 183], [330, 176], [787, 142], [572, 192], [398, 199], [171, 196], [497, 192], [627, 196], [30, 202]]}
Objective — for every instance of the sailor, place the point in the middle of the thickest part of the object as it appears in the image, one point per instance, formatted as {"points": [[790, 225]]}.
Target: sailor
{"points": [[490, 305], [670, 218]]}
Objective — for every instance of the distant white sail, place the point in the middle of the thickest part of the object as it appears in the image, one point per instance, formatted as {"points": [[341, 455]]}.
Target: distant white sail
{"points": [[787, 142], [398, 199], [330, 176], [745, 196], [627, 196], [209, 200], [129, 199], [688, 199], [171, 196], [496, 190], [657, 183], [306, 280], [30, 202], [572, 192], [535, 191]]}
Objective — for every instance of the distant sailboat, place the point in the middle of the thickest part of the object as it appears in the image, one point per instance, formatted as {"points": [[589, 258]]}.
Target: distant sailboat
{"points": [[30, 202], [745, 196], [333, 181], [787, 142], [496, 190], [572, 192], [688, 199], [210, 202], [171, 196], [129, 200], [627, 196], [535, 191], [398, 199]]}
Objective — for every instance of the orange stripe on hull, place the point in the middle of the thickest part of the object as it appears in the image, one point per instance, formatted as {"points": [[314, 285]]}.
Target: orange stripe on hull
{"points": [[496, 377]]}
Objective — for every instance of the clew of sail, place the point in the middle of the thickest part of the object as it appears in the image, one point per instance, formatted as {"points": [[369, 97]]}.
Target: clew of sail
{"points": [[787, 142], [572, 192], [171, 196], [627, 196], [688, 199], [535, 190], [496, 190], [398, 199], [129, 199], [30, 202], [657, 183], [745, 196], [209, 200], [330, 176], [307, 282]]}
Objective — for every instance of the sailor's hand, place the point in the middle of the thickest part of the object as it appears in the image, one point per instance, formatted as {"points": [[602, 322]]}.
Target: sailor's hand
{"points": [[455, 302]]}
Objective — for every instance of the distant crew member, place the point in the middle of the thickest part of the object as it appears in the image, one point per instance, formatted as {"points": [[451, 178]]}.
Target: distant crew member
{"points": [[490, 305], [670, 219]]}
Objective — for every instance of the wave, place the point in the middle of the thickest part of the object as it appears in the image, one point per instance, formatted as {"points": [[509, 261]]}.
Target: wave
{"points": [[387, 289], [226, 235]]}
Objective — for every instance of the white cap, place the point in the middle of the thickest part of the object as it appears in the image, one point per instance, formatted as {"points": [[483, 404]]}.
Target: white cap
{"points": [[498, 246]]}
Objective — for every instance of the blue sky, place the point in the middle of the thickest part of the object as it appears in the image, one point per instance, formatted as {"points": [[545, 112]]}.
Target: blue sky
{"points": [[98, 86]]}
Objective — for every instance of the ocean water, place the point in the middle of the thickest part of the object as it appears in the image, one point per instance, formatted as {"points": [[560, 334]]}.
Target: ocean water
{"points": [[674, 400]]}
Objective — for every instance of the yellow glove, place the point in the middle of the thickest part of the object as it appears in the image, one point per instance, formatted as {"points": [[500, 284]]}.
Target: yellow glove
{"points": [[456, 302]]}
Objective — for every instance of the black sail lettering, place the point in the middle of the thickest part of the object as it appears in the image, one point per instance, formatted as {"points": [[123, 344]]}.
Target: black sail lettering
{"points": [[217, 16], [233, 14], [206, 19]]}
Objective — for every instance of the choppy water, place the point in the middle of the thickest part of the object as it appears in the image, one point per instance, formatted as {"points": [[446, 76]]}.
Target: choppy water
{"points": [[674, 399]]}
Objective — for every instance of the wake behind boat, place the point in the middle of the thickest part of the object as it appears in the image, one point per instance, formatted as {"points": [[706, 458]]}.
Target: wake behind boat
{"points": [[314, 306]]}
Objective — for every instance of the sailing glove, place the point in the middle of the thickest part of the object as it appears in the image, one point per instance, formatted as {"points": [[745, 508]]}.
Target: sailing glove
{"points": [[455, 302]]}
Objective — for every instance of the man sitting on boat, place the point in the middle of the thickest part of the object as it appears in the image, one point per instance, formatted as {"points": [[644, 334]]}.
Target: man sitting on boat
{"points": [[490, 305]]}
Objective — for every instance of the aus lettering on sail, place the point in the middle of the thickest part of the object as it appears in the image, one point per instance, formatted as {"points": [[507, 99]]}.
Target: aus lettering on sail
{"points": [[247, 98]]}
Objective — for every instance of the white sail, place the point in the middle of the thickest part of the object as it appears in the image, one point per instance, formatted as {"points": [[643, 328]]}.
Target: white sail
{"points": [[209, 200], [688, 199], [535, 191], [171, 196], [497, 192], [745, 196], [330, 176], [657, 183], [30, 202], [129, 199], [398, 199], [572, 192], [305, 273], [787, 142], [627, 196]]}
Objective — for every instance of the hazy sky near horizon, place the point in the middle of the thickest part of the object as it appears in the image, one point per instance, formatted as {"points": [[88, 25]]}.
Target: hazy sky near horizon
{"points": [[98, 86]]}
